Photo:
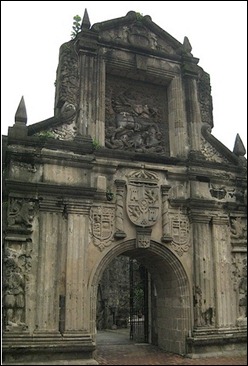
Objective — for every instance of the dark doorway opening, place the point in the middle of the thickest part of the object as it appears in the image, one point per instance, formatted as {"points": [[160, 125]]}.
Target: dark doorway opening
{"points": [[123, 299]]}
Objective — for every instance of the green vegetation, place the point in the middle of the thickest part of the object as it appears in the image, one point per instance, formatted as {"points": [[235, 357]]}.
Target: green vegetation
{"points": [[76, 26], [96, 144], [139, 16], [45, 134]]}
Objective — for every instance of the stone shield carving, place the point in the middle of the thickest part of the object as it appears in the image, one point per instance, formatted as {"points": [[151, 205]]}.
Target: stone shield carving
{"points": [[102, 225], [180, 233], [143, 199]]}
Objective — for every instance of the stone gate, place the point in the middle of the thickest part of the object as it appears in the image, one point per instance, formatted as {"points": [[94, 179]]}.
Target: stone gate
{"points": [[126, 166]]}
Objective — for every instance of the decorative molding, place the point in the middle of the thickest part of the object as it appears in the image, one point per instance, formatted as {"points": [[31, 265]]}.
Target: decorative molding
{"points": [[166, 229], [119, 226]]}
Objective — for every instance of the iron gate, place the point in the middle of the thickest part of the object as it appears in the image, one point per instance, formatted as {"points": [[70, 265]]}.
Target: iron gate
{"points": [[138, 275]]}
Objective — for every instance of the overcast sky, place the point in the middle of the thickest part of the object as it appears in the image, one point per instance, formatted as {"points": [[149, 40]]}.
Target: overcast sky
{"points": [[33, 31]]}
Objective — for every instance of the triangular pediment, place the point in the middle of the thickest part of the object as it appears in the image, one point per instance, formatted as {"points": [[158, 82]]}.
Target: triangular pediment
{"points": [[135, 30], [214, 151]]}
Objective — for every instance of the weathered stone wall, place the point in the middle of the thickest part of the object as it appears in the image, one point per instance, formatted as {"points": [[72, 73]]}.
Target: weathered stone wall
{"points": [[78, 195]]}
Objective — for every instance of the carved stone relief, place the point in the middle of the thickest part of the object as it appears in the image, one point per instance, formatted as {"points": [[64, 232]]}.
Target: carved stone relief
{"points": [[68, 74], [136, 116], [239, 265], [102, 226], [205, 99], [179, 224], [238, 227], [16, 267], [137, 34], [143, 237], [20, 213], [218, 192], [17, 166], [143, 198], [119, 226], [210, 153]]}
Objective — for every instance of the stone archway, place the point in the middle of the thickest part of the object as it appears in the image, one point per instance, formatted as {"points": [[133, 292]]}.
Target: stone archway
{"points": [[173, 291]]}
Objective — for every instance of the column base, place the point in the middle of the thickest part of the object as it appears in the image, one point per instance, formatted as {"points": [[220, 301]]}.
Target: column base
{"points": [[48, 349], [217, 342]]}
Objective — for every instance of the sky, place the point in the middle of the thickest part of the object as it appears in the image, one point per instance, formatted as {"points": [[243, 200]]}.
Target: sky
{"points": [[33, 31]]}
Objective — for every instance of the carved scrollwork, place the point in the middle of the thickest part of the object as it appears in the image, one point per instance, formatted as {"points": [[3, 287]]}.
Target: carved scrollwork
{"points": [[20, 213]]}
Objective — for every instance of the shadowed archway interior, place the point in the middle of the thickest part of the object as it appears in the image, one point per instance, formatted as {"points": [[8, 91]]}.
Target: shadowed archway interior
{"points": [[173, 317]]}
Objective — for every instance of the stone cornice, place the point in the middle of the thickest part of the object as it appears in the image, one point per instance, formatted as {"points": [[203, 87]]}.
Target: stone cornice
{"points": [[57, 190], [80, 146]]}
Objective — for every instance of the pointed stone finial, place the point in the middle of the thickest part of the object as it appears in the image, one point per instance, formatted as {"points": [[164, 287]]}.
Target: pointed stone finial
{"points": [[186, 45], [239, 148], [86, 21], [21, 114]]}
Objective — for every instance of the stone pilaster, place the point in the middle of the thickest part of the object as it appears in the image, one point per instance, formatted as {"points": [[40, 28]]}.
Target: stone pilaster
{"points": [[91, 115], [177, 118], [98, 126], [193, 112], [166, 229], [47, 298], [119, 229], [225, 311], [87, 98], [78, 237], [204, 303]]}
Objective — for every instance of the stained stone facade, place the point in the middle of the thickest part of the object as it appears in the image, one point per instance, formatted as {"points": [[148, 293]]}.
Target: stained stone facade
{"points": [[126, 166]]}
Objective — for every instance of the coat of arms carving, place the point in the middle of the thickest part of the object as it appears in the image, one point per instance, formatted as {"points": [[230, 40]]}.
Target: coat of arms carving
{"points": [[143, 198], [180, 233], [102, 225]]}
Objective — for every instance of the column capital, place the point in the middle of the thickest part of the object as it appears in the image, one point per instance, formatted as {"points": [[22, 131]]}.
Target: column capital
{"points": [[220, 220], [199, 217]]}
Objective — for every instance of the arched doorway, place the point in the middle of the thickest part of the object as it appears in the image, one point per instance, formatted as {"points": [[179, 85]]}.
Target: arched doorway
{"points": [[171, 322]]}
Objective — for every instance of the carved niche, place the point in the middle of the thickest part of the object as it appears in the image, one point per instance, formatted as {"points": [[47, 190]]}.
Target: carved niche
{"points": [[136, 116]]}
